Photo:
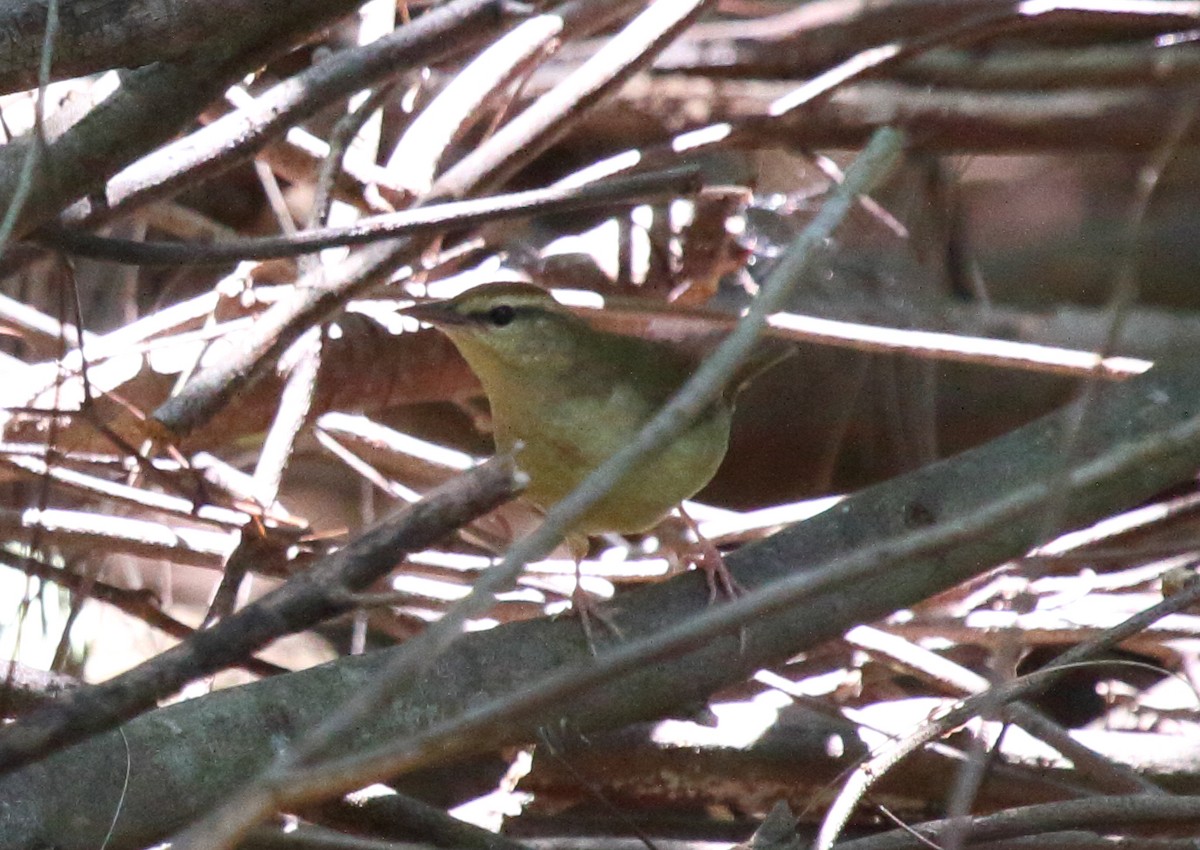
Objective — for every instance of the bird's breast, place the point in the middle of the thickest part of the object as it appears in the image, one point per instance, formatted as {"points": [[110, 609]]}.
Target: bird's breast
{"points": [[567, 443]]}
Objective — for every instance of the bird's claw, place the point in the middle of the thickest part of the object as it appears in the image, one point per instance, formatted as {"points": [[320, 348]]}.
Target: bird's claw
{"points": [[705, 556], [583, 605], [717, 577]]}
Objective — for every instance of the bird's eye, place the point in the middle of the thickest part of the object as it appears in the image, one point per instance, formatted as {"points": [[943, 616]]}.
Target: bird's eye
{"points": [[501, 315]]}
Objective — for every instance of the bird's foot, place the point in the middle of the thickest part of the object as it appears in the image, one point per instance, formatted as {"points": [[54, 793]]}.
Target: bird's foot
{"points": [[586, 608], [717, 577], [704, 555]]}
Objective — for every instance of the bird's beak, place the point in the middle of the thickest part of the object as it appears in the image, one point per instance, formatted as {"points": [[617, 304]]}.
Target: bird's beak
{"points": [[436, 313]]}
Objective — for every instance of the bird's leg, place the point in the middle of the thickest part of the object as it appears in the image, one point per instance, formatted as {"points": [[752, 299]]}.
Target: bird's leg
{"points": [[707, 557], [583, 604]]}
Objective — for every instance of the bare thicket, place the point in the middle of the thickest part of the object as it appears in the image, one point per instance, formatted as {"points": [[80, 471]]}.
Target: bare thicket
{"points": [[256, 560]]}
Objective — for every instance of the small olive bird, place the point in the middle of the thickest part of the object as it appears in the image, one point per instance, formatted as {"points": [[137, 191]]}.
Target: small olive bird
{"points": [[574, 395]]}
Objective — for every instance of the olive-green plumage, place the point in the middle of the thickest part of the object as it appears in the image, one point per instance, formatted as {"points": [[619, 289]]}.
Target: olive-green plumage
{"points": [[574, 395]]}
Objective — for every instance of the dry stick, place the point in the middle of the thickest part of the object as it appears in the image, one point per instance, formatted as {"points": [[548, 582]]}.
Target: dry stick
{"points": [[375, 21], [1145, 63], [1110, 776], [790, 123], [1140, 63], [993, 699], [169, 321], [319, 296], [299, 157], [360, 467], [273, 193], [340, 139], [35, 326], [436, 218], [959, 348], [951, 121], [295, 407], [419, 151], [121, 535], [494, 57], [1091, 814], [232, 485], [298, 770], [970, 326], [95, 486], [302, 602]]}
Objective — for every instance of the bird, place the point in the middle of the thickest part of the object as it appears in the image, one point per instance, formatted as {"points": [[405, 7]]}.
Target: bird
{"points": [[571, 395]]}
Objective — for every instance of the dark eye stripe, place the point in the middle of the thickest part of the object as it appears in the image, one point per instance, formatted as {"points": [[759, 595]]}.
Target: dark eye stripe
{"points": [[497, 316]]}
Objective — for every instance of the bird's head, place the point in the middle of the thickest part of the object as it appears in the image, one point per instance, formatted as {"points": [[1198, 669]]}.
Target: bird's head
{"points": [[515, 326]]}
